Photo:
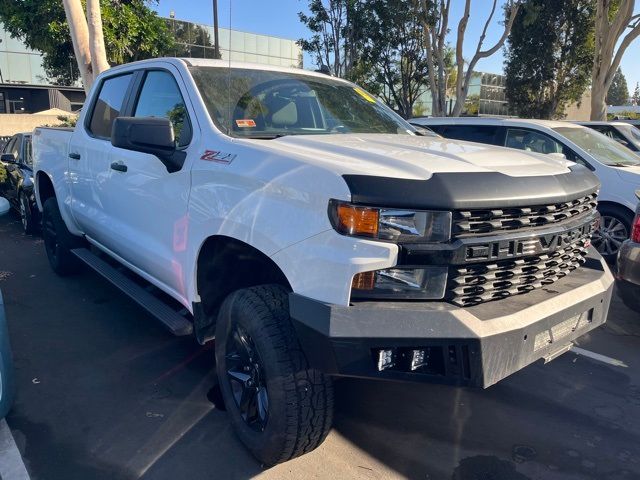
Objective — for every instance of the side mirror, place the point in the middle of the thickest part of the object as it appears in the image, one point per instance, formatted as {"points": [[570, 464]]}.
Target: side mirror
{"points": [[8, 157], [151, 135], [4, 206], [558, 155]]}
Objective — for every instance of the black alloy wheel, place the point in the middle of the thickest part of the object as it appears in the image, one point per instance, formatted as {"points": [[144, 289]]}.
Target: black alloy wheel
{"points": [[245, 372]]}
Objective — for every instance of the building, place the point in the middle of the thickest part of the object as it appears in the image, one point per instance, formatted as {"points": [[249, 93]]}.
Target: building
{"points": [[25, 87], [486, 97]]}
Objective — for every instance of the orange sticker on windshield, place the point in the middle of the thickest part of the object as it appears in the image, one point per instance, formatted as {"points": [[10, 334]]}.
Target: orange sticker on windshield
{"points": [[364, 95], [246, 123]]}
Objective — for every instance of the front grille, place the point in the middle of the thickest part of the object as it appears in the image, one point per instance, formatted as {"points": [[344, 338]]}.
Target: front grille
{"points": [[473, 284], [486, 221]]}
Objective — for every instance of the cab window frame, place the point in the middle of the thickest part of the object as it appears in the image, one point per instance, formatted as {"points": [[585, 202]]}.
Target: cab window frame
{"points": [[136, 91]]}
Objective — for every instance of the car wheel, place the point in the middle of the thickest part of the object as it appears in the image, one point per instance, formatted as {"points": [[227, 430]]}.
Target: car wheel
{"points": [[26, 215], [279, 407], [615, 225], [58, 241]]}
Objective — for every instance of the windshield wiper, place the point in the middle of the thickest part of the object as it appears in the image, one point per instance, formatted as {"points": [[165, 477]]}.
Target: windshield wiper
{"points": [[265, 136]]}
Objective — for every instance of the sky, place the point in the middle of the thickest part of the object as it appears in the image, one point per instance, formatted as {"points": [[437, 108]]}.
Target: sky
{"points": [[280, 18]]}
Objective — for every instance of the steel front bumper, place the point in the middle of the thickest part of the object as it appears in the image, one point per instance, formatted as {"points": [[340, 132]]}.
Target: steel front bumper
{"points": [[476, 346]]}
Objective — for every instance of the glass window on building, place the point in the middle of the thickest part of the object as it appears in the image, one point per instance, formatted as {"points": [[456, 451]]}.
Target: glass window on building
{"points": [[3, 109]]}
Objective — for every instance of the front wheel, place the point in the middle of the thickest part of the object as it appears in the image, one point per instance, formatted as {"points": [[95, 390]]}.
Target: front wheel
{"points": [[278, 406], [615, 225], [29, 224]]}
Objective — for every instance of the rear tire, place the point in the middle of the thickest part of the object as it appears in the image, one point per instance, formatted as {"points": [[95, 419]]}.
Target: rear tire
{"points": [[58, 241], [279, 407], [615, 227]]}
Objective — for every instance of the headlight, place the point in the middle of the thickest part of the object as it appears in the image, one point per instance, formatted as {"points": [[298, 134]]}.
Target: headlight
{"points": [[425, 226], [425, 283]]}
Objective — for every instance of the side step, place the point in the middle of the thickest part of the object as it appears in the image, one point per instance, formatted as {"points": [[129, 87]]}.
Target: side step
{"points": [[177, 324]]}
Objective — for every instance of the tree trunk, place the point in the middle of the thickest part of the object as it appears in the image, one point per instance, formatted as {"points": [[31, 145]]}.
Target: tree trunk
{"points": [[598, 102], [96, 38], [80, 38]]}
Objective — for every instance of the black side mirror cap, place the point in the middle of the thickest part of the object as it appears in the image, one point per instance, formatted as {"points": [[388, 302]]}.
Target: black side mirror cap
{"points": [[8, 158], [151, 135]]}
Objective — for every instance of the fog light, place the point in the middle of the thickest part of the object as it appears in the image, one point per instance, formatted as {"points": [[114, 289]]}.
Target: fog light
{"points": [[386, 359], [418, 359]]}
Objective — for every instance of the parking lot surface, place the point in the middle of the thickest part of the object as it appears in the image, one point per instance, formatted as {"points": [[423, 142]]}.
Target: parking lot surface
{"points": [[105, 393]]}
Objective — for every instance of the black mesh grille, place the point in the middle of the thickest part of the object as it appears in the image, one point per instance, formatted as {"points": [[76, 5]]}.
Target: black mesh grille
{"points": [[473, 284], [486, 221]]}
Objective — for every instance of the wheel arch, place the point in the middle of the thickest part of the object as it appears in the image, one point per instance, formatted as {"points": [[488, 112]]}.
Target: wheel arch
{"points": [[224, 265], [44, 189]]}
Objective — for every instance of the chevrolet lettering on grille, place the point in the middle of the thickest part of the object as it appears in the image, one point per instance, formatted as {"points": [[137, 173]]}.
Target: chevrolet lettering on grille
{"points": [[502, 249]]}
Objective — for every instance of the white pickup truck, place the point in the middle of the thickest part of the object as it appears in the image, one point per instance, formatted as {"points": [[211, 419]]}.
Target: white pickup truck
{"points": [[313, 233]]}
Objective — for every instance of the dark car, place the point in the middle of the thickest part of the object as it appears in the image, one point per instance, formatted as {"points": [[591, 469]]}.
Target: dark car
{"points": [[6, 365], [629, 265], [621, 132], [16, 180]]}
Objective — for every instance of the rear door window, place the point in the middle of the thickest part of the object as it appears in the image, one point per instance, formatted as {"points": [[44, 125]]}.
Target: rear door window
{"points": [[109, 105], [472, 133]]}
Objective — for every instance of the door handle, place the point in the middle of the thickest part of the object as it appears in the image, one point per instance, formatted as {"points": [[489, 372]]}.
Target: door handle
{"points": [[74, 155], [120, 167]]}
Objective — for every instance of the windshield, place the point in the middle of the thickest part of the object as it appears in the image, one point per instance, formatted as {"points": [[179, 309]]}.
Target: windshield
{"points": [[267, 104], [601, 147]]}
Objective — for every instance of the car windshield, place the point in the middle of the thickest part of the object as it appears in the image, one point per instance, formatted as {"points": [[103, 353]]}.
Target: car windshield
{"points": [[601, 147], [267, 104]]}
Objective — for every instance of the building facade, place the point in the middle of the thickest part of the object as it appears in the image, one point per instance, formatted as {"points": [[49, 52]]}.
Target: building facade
{"points": [[26, 88], [486, 97]]}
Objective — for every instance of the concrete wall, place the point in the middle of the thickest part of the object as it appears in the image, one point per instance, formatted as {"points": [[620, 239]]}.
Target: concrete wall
{"points": [[581, 112], [11, 123]]}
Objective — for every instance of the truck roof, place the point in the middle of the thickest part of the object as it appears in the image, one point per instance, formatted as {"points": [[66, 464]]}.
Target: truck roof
{"points": [[207, 62]]}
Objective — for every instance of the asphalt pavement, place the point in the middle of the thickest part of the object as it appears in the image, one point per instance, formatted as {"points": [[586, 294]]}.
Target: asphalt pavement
{"points": [[105, 393]]}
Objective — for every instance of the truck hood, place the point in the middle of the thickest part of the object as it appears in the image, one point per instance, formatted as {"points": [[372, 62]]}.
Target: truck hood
{"points": [[414, 157]]}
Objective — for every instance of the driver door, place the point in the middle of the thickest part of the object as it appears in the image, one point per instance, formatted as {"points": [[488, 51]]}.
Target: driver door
{"points": [[147, 204]]}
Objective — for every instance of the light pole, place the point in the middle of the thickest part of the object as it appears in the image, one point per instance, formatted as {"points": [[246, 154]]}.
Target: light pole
{"points": [[216, 50]]}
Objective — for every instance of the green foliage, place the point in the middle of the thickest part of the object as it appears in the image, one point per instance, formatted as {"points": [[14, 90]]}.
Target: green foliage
{"points": [[618, 93], [549, 56], [375, 43], [132, 32], [636, 95]]}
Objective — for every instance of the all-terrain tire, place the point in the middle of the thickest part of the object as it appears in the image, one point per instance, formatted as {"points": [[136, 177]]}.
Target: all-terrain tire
{"points": [[58, 241], [300, 399]]}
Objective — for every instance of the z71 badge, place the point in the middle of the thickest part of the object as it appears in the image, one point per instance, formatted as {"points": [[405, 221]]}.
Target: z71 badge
{"points": [[218, 157]]}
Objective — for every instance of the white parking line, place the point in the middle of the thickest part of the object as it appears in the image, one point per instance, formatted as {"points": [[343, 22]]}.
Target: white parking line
{"points": [[598, 357], [11, 464]]}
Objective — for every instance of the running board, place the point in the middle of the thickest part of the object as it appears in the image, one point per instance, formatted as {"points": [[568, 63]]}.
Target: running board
{"points": [[176, 323]]}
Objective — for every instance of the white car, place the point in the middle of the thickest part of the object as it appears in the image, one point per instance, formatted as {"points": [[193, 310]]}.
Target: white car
{"points": [[617, 167], [310, 232]]}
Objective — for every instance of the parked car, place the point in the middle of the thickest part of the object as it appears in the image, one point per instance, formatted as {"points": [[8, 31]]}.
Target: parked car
{"points": [[635, 123], [16, 180], [628, 274], [616, 166], [6, 365], [310, 232], [623, 133]]}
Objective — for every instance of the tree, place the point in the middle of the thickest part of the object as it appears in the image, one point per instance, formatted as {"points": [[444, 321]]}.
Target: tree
{"points": [[434, 16], [132, 31], [542, 85], [613, 19], [618, 91], [395, 54], [337, 39], [636, 94]]}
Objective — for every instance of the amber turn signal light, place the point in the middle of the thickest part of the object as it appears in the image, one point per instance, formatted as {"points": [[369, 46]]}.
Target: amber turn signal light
{"points": [[353, 220]]}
